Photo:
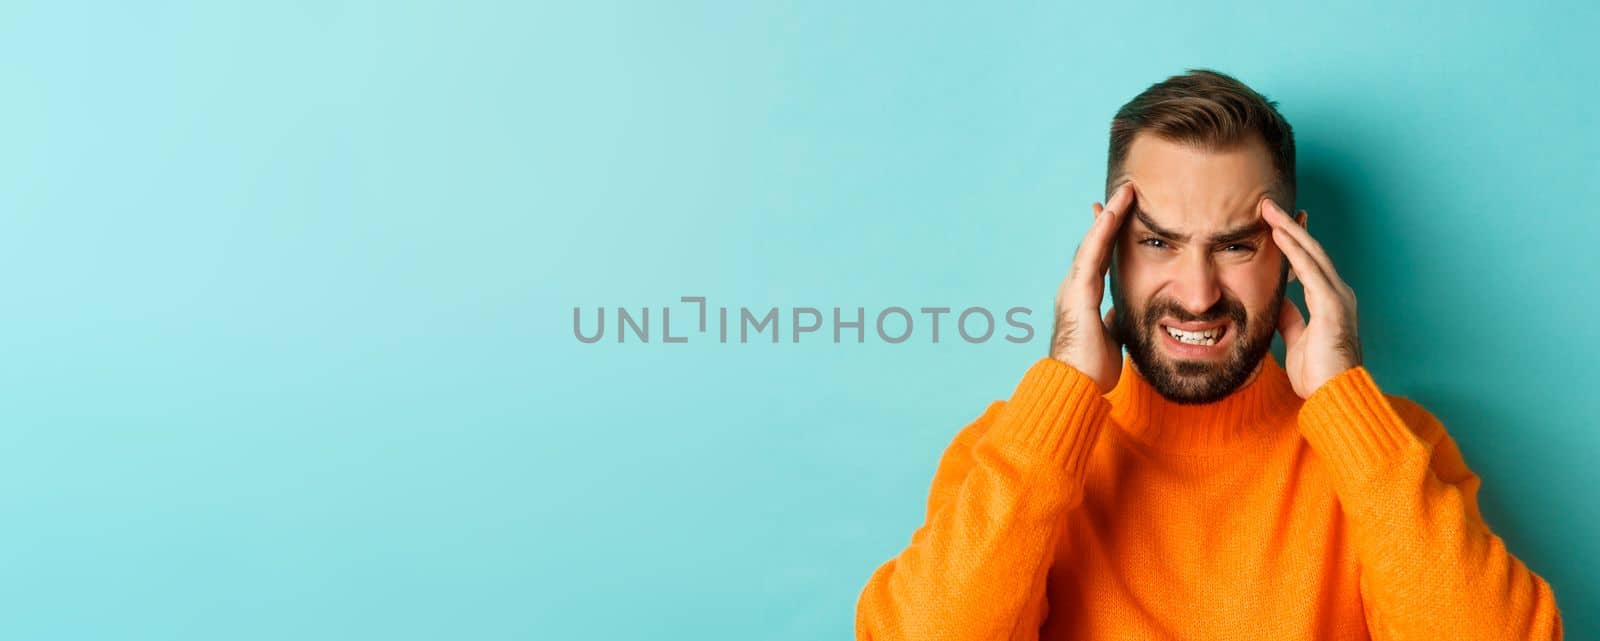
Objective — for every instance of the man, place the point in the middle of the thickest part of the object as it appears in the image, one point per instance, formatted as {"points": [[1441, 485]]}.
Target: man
{"points": [[1197, 489]]}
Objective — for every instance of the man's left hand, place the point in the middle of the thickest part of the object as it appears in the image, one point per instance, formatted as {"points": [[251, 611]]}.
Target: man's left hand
{"points": [[1329, 344]]}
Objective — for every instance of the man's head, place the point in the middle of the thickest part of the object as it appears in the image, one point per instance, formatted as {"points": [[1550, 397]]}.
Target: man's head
{"points": [[1194, 257]]}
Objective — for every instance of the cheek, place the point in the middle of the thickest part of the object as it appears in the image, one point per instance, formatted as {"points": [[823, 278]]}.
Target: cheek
{"points": [[1253, 283], [1136, 278]]}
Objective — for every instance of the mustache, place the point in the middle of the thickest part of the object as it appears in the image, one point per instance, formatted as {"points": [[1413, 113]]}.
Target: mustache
{"points": [[1225, 308]]}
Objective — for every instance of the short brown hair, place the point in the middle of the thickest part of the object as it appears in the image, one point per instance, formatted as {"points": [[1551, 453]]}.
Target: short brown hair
{"points": [[1208, 109]]}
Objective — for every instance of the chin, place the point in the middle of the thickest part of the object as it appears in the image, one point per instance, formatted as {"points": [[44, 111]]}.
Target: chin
{"points": [[1218, 371]]}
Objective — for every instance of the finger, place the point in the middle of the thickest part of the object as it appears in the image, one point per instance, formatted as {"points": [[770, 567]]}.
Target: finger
{"points": [[1285, 227], [1084, 244], [1090, 263], [1280, 219], [1320, 294], [1269, 214], [1290, 323], [1121, 198]]}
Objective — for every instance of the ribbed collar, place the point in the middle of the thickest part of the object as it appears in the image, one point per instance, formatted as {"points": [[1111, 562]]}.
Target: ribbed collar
{"points": [[1263, 407]]}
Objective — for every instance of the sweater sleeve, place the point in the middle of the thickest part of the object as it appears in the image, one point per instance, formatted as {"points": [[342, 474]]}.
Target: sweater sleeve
{"points": [[976, 567], [1430, 566]]}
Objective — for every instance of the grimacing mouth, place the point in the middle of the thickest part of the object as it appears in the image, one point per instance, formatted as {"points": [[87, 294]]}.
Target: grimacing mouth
{"points": [[1208, 336]]}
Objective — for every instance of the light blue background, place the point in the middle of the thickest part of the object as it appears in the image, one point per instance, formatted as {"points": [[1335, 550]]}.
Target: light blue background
{"points": [[288, 289]]}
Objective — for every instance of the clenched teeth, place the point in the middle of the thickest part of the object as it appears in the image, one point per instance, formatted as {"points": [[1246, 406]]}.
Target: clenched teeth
{"points": [[1203, 337]]}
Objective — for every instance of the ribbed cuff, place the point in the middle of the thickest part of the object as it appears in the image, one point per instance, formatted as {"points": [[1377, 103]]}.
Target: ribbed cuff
{"points": [[1053, 417], [1351, 425]]}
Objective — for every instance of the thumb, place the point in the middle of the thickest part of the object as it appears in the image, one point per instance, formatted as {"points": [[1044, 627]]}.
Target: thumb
{"points": [[1290, 323]]}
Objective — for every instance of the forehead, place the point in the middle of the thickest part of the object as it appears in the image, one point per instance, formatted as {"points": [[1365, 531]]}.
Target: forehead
{"points": [[1188, 188]]}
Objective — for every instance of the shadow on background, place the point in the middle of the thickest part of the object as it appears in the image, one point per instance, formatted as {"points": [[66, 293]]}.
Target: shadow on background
{"points": [[1432, 310]]}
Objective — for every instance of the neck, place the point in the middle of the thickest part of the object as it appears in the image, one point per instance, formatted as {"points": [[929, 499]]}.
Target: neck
{"points": [[1265, 403]]}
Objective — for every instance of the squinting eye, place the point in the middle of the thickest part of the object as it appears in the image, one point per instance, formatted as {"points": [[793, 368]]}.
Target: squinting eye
{"points": [[1159, 243], [1238, 248]]}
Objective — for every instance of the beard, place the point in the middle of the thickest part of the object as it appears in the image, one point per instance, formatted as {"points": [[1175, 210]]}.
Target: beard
{"points": [[1192, 382]]}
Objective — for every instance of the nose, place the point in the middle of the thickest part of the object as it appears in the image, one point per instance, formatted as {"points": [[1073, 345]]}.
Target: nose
{"points": [[1196, 286]]}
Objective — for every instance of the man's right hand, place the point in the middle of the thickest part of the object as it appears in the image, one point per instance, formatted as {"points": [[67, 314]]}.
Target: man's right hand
{"points": [[1082, 337]]}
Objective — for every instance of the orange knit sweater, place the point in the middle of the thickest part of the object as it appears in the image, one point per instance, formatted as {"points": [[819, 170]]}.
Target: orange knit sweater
{"points": [[1065, 514]]}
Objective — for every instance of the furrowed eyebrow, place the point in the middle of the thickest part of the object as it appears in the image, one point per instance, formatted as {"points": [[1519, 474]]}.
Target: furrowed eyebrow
{"points": [[1251, 230], [1156, 229]]}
